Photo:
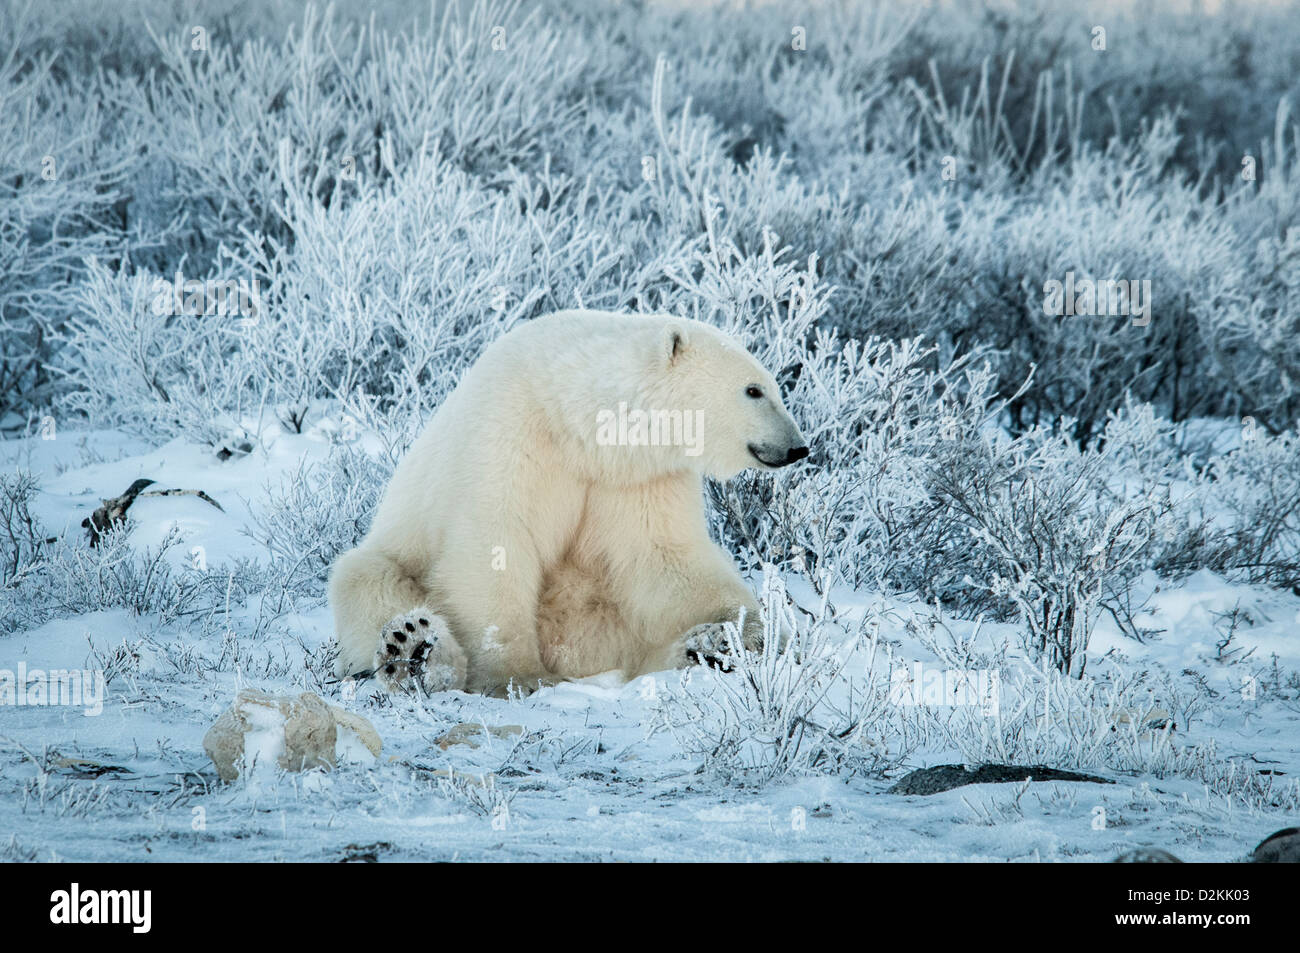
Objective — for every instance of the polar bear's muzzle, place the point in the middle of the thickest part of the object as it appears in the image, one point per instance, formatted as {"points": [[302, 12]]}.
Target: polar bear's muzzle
{"points": [[774, 458]]}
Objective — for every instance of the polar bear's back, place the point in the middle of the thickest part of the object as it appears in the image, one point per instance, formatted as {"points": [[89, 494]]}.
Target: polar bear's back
{"points": [[522, 392]]}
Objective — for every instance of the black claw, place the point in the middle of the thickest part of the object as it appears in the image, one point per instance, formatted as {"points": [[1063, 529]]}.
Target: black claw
{"points": [[392, 649], [722, 664], [409, 627], [424, 622], [400, 636], [390, 668]]}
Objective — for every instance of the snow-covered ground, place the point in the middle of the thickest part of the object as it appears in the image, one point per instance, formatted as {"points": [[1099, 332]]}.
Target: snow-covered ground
{"points": [[582, 777]]}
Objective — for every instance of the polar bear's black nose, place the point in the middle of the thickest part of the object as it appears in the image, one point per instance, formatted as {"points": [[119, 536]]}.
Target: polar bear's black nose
{"points": [[794, 454]]}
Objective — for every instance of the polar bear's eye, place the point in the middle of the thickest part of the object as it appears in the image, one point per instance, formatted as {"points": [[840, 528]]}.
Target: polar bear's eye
{"points": [[753, 391]]}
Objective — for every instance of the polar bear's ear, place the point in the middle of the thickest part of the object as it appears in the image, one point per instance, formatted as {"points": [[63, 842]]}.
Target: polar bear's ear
{"points": [[672, 342]]}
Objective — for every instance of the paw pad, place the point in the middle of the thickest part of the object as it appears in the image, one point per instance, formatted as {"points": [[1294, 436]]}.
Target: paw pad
{"points": [[418, 648]]}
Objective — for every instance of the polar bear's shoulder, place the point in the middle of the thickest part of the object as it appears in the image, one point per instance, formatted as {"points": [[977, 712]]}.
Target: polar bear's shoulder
{"points": [[596, 332]]}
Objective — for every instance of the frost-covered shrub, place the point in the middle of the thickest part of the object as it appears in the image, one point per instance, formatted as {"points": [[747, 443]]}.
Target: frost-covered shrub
{"points": [[1045, 717], [626, 136], [910, 486], [1235, 511], [392, 295], [61, 165], [1052, 538], [913, 486], [135, 365], [971, 270], [22, 541], [1129, 221], [873, 413], [1252, 329], [996, 65], [76, 579], [792, 707], [1250, 321], [1241, 514], [1122, 722], [321, 510], [484, 81]]}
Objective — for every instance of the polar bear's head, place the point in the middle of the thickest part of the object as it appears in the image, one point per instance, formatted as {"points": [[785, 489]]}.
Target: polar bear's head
{"points": [[742, 421]]}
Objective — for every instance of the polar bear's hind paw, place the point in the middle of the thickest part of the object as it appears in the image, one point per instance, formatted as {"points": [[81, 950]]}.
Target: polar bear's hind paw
{"points": [[710, 644], [418, 648]]}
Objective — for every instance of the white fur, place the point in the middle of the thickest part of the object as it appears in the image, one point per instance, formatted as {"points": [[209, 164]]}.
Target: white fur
{"points": [[549, 554]]}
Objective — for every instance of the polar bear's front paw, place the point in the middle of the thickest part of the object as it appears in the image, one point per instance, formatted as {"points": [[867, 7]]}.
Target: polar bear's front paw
{"points": [[418, 648], [710, 644]]}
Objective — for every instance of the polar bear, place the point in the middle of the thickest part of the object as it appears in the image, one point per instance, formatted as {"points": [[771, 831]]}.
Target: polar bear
{"points": [[549, 522]]}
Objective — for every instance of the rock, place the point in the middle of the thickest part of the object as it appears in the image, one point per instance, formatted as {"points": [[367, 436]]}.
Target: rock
{"points": [[1280, 848], [363, 729], [294, 733], [945, 777], [224, 742], [364, 854], [469, 733], [1146, 855], [310, 733]]}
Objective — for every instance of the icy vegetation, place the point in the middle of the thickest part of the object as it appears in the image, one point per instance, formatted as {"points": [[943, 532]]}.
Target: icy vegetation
{"points": [[247, 249]]}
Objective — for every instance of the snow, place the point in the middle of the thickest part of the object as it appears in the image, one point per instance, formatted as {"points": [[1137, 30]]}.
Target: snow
{"points": [[584, 780]]}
